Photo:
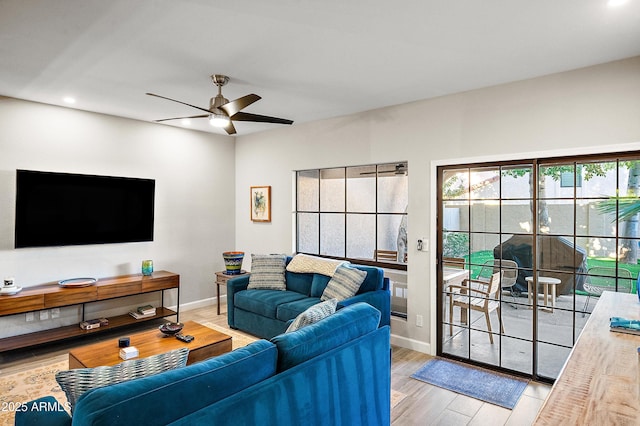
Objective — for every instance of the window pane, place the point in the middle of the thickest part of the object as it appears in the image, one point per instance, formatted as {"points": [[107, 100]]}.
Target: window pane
{"points": [[361, 235], [332, 187], [393, 193], [455, 244], [456, 216], [308, 190], [361, 189], [592, 218], [455, 184], [516, 182], [559, 219], [485, 216], [598, 180], [388, 231], [516, 217], [308, 233], [332, 236], [485, 183]]}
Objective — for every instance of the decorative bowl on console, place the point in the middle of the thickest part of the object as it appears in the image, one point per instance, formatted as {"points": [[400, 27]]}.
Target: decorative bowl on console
{"points": [[171, 328]]}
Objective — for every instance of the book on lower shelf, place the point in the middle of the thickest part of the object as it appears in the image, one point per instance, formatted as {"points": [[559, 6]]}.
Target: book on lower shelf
{"points": [[138, 315], [146, 309]]}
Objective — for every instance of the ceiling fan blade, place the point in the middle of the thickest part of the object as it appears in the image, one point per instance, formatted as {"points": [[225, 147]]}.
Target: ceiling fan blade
{"points": [[178, 118], [180, 102], [234, 107], [230, 129], [244, 116]]}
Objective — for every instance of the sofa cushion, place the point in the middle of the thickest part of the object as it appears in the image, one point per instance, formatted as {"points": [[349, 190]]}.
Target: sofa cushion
{"points": [[300, 283], [318, 284], [313, 314], [267, 272], [346, 324], [264, 302], [167, 397], [374, 280], [345, 283], [77, 381], [303, 263], [290, 310]]}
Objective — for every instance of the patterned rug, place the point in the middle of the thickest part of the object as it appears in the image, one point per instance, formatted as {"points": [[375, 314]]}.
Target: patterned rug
{"points": [[33, 381], [498, 389]]}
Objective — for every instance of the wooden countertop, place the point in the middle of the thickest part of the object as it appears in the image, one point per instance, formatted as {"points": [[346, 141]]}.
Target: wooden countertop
{"points": [[600, 382]]}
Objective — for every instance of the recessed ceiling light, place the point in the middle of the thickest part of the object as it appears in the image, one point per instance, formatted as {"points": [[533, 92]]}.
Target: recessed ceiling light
{"points": [[616, 3], [69, 100]]}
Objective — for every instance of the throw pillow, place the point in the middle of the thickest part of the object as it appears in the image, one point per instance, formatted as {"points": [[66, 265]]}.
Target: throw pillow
{"points": [[313, 314], [76, 382], [267, 272], [303, 263], [344, 284]]}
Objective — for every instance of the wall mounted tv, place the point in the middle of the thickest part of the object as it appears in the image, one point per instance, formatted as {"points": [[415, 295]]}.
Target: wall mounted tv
{"points": [[60, 209]]}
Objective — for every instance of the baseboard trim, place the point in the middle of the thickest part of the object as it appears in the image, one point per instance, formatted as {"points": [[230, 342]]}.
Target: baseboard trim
{"points": [[211, 301], [407, 343]]}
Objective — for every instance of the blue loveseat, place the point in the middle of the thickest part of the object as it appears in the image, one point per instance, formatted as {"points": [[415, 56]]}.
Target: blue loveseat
{"points": [[267, 313], [334, 372]]}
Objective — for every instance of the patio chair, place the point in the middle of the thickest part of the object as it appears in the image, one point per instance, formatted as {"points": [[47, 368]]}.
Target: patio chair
{"points": [[603, 278], [509, 275], [478, 296], [385, 255]]}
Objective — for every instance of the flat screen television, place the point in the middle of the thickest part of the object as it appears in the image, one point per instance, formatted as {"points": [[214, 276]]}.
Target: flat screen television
{"points": [[60, 209]]}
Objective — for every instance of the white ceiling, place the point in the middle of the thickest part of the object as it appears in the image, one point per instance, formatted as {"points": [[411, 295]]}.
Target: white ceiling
{"points": [[308, 60]]}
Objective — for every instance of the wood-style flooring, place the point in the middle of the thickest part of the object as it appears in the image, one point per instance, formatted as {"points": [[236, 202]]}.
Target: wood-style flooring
{"points": [[424, 404]]}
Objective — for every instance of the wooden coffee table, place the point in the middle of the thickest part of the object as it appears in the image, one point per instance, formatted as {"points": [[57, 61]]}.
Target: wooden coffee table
{"points": [[207, 343]]}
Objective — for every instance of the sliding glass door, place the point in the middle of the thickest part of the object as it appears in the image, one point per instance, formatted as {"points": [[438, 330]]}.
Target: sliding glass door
{"points": [[525, 249]]}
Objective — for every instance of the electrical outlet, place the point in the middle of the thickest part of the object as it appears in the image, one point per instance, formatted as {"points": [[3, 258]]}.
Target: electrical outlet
{"points": [[44, 315], [418, 320], [29, 317], [55, 313]]}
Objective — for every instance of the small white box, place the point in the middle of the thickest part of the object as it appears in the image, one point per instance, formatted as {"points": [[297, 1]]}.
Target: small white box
{"points": [[129, 352]]}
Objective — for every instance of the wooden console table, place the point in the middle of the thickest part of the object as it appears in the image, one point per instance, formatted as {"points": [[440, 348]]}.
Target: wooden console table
{"points": [[51, 295], [600, 382]]}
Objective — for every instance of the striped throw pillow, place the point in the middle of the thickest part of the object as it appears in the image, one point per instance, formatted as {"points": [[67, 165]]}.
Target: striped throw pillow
{"points": [[313, 314], [345, 283], [267, 272]]}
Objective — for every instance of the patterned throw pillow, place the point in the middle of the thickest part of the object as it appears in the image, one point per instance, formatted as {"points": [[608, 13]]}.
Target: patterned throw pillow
{"points": [[76, 382], [344, 284], [313, 314], [267, 272]]}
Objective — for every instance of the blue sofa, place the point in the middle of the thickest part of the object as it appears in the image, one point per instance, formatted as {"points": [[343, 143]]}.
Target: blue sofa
{"points": [[267, 313], [334, 372]]}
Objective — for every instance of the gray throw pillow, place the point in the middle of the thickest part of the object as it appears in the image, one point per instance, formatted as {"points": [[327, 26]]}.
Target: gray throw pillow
{"points": [[267, 272], [313, 314], [76, 382], [345, 283]]}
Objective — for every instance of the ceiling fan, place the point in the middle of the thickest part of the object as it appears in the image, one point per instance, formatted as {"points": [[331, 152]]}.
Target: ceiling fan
{"points": [[399, 169], [222, 113]]}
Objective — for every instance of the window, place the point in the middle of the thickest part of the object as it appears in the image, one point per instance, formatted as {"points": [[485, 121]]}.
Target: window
{"points": [[357, 213]]}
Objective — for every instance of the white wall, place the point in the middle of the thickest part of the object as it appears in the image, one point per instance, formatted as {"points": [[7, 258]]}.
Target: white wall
{"points": [[586, 110], [194, 174]]}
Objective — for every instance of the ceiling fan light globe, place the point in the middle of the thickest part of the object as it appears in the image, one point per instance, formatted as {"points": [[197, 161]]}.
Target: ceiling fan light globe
{"points": [[218, 120]]}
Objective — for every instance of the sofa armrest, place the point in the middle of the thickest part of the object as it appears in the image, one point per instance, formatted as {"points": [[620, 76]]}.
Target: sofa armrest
{"points": [[234, 285], [379, 299], [45, 411]]}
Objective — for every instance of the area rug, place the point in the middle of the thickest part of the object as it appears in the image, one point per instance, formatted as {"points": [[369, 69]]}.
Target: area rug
{"points": [[494, 388], [33, 381]]}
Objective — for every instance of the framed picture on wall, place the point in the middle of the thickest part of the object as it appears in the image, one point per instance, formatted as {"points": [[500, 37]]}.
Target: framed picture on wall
{"points": [[261, 203]]}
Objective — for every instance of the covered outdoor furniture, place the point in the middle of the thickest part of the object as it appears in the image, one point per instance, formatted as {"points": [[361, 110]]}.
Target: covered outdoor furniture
{"points": [[477, 295]]}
